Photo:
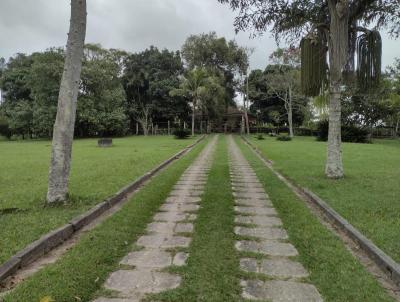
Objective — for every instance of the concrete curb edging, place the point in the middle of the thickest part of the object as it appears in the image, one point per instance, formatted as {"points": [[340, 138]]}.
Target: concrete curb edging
{"points": [[381, 259], [49, 241]]}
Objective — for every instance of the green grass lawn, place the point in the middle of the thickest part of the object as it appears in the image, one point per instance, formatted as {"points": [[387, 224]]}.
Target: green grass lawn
{"points": [[96, 173], [81, 272], [338, 276], [368, 196]]}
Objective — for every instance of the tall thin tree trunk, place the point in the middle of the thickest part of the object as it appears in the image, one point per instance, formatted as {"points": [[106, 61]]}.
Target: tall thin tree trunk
{"points": [[145, 128], [63, 132], [290, 113], [193, 116], [246, 116], [338, 50]]}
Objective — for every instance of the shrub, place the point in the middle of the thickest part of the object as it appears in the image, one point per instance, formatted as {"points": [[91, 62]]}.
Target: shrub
{"points": [[284, 138], [350, 133], [260, 137], [4, 127], [181, 133]]}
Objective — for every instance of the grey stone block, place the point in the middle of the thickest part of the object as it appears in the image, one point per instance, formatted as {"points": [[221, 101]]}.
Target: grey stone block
{"points": [[256, 210], [259, 220], [136, 282], [280, 291], [262, 232], [148, 258]]}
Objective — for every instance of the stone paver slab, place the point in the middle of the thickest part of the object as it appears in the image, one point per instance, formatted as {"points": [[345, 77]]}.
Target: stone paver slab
{"points": [[253, 202], [176, 241], [270, 247], [148, 258], [183, 199], [184, 228], [179, 207], [250, 195], [249, 265], [186, 193], [283, 268], [131, 282], [274, 267], [256, 210], [180, 259], [170, 216], [262, 232], [259, 220], [161, 227], [153, 240], [280, 291]]}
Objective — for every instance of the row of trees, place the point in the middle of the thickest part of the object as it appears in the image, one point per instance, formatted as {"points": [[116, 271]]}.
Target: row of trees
{"points": [[117, 89], [277, 98]]}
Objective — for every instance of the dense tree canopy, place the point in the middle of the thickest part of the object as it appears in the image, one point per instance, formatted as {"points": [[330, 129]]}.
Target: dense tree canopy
{"points": [[148, 78], [225, 59]]}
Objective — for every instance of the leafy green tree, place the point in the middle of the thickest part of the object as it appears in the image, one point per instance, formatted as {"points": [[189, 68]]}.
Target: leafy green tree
{"points": [[276, 89], [335, 23], [20, 118], [14, 80], [193, 86], [283, 80], [224, 59], [148, 78], [44, 84], [102, 100]]}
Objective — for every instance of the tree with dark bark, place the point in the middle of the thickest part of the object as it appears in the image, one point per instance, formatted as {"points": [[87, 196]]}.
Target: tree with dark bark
{"points": [[335, 23], [63, 132]]}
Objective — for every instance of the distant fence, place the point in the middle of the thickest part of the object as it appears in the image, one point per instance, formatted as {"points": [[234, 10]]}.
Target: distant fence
{"points": [[165, 128], [378, 132]]}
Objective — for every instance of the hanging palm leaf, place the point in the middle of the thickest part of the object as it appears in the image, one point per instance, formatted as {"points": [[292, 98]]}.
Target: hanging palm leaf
{"points": [[313, 65], [369, 59]]}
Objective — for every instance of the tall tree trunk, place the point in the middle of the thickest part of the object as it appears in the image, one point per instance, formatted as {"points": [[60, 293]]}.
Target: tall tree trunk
{"points": [[290, 113], [338, 50], [193, 116], [246, 116], [63, 132], [145, 126]]}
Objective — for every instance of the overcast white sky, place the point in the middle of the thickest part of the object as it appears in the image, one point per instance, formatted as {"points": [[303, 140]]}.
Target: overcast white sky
{"points": [[132, 25]]}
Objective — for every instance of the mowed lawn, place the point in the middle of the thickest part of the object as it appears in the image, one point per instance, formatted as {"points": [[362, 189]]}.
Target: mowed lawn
{"points": [[368, 196], [96, 173]]}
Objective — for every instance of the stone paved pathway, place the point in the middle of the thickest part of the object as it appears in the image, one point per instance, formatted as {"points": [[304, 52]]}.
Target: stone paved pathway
{"points": [[258, 222], [166, 236]]}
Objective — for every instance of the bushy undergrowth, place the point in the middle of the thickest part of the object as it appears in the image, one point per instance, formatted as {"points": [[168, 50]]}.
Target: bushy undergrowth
{"points": [[181, 133], [350, 133], [284, 138]]}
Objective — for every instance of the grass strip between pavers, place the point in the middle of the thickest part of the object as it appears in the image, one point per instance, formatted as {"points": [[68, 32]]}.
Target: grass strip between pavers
{"points": [[212, 272], [336, 273], [81, 272]]}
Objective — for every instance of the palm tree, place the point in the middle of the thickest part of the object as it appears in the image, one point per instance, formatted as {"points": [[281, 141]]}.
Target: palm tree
{"points": [[194, 84]]}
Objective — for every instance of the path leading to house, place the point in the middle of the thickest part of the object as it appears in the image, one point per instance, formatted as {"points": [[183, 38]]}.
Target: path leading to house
{"points": [[269, 254], [262, 245], [166, 239]]}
